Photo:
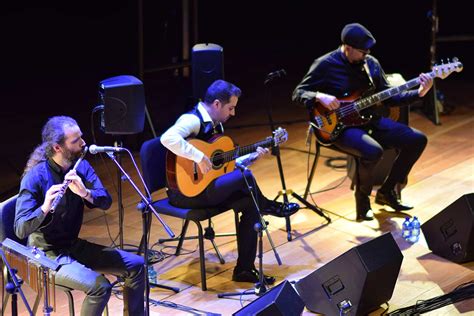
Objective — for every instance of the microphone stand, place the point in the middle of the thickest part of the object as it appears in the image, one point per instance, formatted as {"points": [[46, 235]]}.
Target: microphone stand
{"points": [[260, 287], [148, 206], [276, 152], [120, 207], [12, 287]]}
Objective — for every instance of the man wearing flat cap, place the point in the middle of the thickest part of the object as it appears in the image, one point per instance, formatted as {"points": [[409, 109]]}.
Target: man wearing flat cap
{"points": [[343, 74]]}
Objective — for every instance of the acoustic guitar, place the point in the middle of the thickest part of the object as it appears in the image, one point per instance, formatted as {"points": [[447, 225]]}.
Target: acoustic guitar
{"points": [[184, 175], [329, 124]]}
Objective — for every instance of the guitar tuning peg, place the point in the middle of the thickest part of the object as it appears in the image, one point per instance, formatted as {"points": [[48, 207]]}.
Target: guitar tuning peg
{"points": [[455, 59], [442, 61]]}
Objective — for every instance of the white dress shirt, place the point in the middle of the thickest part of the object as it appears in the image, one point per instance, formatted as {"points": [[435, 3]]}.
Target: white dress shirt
{"points": [[186, 126]]}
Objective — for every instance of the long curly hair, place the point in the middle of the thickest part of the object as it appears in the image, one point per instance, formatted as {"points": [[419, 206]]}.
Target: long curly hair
{"points": [[52, 133]]}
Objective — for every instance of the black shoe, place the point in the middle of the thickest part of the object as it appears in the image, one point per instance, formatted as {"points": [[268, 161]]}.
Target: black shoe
{"points": [[280, 209], [366, 215], [252, 276], [364, 211], [391, 199]]}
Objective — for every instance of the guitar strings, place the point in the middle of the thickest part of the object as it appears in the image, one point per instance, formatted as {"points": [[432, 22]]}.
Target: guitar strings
{"points": [[234, 153], [352, 107]]}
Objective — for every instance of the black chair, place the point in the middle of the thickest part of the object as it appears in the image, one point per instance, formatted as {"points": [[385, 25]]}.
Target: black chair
{"points": [[7, 215], [153, 162], [381, 170]]}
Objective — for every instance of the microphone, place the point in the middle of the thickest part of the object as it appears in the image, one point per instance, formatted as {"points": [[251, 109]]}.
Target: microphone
{"points": [[239, 165], [276, 74], [94, 149]]}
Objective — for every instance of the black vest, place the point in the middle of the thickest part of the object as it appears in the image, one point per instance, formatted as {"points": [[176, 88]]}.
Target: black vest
{"points": [[206, 130]]}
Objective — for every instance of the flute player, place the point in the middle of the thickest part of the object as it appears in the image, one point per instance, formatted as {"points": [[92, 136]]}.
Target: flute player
{"points": [[81, 262]]}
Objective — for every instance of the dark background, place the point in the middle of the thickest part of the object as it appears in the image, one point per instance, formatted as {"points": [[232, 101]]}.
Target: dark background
{"points": [[54, 56]]}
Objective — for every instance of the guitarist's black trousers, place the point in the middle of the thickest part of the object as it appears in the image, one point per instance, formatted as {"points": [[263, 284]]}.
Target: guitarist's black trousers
{"points": [[230, 191], [367, 143]]}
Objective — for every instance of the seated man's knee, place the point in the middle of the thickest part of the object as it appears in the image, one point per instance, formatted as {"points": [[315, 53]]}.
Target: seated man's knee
{"points": [[136, 266], [373, 155], [416, 142], [421, 140], [100, 287]]}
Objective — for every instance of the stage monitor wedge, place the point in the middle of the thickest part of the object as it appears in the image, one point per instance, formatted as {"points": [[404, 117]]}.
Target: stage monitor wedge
{"points": [[450, 233], [281, 300], [355, 283]]}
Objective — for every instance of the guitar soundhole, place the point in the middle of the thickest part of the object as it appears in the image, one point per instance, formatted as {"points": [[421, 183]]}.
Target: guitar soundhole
{"points": [[217, 159]]}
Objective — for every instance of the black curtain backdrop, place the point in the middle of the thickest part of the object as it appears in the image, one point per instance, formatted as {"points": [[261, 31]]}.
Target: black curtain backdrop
{"points": [[54, 54]]}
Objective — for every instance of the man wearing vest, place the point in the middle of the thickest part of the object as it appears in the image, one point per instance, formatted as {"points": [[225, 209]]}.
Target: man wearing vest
{"points": [[229, 190]]}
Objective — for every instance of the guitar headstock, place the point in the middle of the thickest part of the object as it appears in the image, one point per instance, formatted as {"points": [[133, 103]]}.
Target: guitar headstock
{"points": [[445, 69], [280, 136]]}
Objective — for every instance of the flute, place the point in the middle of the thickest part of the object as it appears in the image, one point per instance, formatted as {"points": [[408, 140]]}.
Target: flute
{"points": [[66, 183]]}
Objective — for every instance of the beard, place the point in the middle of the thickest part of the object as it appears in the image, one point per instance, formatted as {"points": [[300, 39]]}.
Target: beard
{"points": [[71, 155]]}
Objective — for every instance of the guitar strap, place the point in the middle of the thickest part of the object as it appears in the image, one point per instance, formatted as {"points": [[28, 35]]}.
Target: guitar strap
{"points": [[367, 71]]}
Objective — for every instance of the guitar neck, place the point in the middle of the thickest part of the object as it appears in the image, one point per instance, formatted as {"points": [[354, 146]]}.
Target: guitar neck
{"points": [[244, 150], [386, 94]]}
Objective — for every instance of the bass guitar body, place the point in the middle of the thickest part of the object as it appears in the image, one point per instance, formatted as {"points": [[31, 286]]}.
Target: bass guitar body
{"points": [[330, 124]]}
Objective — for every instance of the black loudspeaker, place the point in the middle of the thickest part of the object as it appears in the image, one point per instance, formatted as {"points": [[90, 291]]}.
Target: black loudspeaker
{"points": [[450, 233], [280, 300], [123, 98], [207, 67], [356, 282]]}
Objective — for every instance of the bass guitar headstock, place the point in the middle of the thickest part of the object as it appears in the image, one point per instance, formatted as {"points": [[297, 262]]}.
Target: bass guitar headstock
{"points": [[445, 69]]}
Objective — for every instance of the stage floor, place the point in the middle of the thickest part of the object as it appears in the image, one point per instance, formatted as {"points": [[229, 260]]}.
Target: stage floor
{"points": [[444, 173]]}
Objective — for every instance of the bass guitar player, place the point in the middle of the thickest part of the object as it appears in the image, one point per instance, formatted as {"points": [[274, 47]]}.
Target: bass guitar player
{"points": [[347, 70]]}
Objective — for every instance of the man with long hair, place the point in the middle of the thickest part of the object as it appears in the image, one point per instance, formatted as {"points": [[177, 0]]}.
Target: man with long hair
{"points": [[56, 231]]}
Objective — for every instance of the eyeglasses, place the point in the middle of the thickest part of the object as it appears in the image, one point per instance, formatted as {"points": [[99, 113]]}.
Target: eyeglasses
{"points": [[363, 52]]}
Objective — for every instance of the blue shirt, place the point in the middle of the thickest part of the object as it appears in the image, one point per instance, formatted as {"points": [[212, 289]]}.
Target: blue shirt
{"points": [[60, 229]]}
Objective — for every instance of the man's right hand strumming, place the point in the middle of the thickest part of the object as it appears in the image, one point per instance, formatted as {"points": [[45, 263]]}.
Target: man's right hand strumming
{"points": [[330, 102], [205, 165]]}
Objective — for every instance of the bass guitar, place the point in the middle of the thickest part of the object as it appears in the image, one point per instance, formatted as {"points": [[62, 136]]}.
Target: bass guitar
{"points": [[328, 124], [184, 175]]}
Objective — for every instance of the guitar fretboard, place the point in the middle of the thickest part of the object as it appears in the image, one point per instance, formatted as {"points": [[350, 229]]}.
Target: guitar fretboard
{"points": [[242, 151], [386, 94]]}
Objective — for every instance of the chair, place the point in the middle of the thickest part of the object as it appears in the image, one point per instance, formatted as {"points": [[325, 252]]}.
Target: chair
{"points": [[7, 215], [380, 172], [153, 161], [352, 166]]}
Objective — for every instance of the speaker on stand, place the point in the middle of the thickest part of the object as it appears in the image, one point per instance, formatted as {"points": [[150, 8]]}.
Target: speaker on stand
{"points": [[207, 66], [123, 100]]}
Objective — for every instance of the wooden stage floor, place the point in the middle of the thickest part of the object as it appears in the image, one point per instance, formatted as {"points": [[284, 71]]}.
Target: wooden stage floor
{"points": [[444, 173]]}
